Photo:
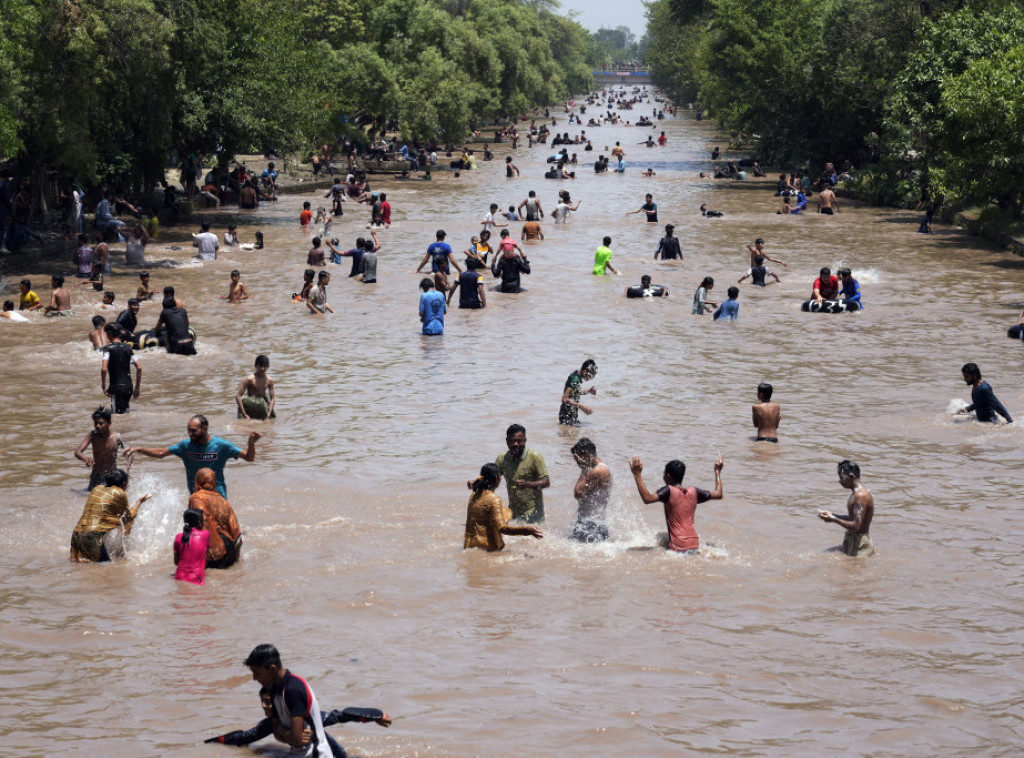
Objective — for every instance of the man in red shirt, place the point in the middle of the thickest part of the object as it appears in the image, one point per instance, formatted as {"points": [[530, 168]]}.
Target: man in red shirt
{"points": [[826, 286], [680, 502]]}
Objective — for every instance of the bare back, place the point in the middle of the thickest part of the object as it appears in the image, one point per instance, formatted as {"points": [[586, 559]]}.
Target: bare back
{"points": [[766, 418]]}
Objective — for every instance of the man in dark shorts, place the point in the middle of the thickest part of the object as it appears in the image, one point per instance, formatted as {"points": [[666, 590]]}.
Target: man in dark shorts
{"points": [[860, 510], [174, 318], [568, 412], [105, 446], [118, 359]]}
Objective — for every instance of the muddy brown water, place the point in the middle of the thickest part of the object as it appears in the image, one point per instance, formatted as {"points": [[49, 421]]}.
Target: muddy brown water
{"points": [[353, 512]]}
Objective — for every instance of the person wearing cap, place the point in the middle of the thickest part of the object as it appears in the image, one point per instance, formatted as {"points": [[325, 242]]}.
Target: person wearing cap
{"points": [[439, 253], [668, 247]]}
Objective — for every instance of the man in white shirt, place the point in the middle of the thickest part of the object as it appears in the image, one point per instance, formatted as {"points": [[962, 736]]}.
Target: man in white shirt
{"points": [[207, 243]]}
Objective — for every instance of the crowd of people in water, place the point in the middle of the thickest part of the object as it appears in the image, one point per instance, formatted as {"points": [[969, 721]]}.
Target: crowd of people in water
{"points": [[211, 537]]}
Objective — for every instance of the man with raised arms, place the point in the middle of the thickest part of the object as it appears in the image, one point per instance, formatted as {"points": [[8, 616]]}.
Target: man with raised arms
{"points": [[860, 509], [680, 502]]}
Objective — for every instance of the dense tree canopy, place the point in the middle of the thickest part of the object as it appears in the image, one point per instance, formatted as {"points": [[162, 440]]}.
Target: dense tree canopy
{"points": [[108, 90], [932, 86]]}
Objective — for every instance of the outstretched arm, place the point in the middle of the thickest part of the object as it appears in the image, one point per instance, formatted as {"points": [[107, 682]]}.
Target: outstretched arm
{"points": [[636, 466], [250, 451]]}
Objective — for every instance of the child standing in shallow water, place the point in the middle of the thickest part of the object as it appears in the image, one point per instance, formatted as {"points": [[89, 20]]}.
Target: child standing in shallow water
{"points": [[255, 398], [190, 549]]}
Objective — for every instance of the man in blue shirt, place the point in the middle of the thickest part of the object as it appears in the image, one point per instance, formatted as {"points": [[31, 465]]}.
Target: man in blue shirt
{"points": [[439, 254], [202, 450], [432, 308], [730, 309]]}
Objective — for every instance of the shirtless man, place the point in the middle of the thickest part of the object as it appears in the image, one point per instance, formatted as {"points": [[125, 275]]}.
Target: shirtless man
{"points": [[592, 491], [860, 510], [758, 249], [255, 398], [236, 290], [60, 298], [97, 336], [105, 445], [827, 201], [766, 414], [532, 231]]}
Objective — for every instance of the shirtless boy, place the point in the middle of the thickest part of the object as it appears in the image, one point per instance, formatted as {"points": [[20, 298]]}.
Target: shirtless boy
{"points": [[255, 398], [766, 414], [97, 336], [592, 490], [758, 249], [60, 298], [236, 290], [860, 510], [144, 292], [105, 445], [827, 201]]}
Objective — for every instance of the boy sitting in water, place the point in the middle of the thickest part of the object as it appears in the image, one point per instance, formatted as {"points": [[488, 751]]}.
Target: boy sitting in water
{"points": [[255, 398], [144, 292], [236, 290]]}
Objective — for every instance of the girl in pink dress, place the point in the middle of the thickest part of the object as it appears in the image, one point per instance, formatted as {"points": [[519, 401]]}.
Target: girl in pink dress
{"points": [[190, 549]]}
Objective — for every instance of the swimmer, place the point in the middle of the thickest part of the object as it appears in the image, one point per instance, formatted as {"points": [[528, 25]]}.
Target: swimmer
{"points": [[29, 300], [12, 315], [144, 292], [97, 336], [270, 725], [603, 259], [316, 300], [649, 207], [568, 411], [106, 512], [860, 510], [680, 502], [255, 396], [105, 444], [701, 304], [648, 173], [709, 213], [825, 287], [118, 359], [758, 249], [850, 290], [60, 298], [592, 491], [307, 284], [984, 402], [730, 309], [766, 414], [757, 273], [487, 519], [646, 289]]}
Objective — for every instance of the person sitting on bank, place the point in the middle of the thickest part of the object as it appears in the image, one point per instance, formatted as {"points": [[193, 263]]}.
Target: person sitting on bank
{"points": [[487, 519], [105, 517]]}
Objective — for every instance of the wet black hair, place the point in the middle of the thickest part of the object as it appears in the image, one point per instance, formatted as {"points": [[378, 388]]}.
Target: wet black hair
{"points": [[193, 519], [825, 271], [309, 273], [971, 370], [589, 365], [101, 413], [765, 390], [201, 419], [170, 302], [58, 280], [489, 477], [847, 468], [116, 478], [98, 321], [27, 283], [205, 226], [515, 429], [263, 656], [316, 242], [262, 360], [584, 445], [675, 470], [426, 283], [607, 241], [113, 330], [733, 292], [133, 301], [8, 305], [168, 291], [707, 282], [110, 294], [322, 275]]}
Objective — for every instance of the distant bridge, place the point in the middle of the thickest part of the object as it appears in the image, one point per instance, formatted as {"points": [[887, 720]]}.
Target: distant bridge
{"points": [[624, 76]]}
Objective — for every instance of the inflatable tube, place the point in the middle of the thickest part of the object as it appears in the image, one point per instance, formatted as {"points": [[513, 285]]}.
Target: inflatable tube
{"points": [[1015, 332], [829, 306], [148, 338], [656, 290]]}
